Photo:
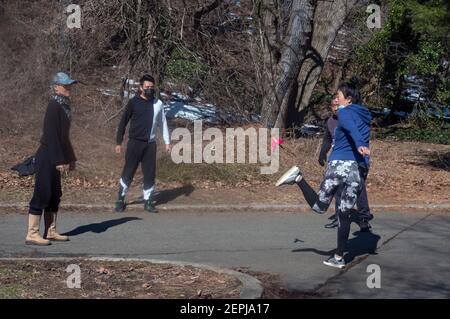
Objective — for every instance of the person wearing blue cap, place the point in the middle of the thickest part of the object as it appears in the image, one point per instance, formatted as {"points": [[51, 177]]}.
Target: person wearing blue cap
{"points": [[54, 156]]}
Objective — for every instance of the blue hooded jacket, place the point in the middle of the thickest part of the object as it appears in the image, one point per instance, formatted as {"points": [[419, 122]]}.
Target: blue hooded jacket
{"points": [[352, 132]]}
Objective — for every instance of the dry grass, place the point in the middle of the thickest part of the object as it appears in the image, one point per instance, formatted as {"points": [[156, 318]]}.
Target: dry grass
{"points": [[400, 172]]}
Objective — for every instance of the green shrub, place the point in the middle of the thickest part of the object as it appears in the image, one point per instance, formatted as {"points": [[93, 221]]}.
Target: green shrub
{"points": [[185, 67]]}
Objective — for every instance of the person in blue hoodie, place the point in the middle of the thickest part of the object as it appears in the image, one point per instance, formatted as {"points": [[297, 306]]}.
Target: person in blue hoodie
{"points": [[346, 170], [364, 214]]}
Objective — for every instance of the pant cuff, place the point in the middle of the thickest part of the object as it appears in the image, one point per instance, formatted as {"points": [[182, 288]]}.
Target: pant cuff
{"points": [[123, 188], [35, 212], [320, 207], [148, 193]]}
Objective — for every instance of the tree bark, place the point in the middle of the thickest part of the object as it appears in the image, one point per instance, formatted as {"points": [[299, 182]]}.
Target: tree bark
{"points": [[293, 65], [328, 19], [294, 47], [204, 11]]}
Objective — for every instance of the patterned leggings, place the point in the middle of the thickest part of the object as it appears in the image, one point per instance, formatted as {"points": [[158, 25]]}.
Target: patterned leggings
{"points": [[344, 176]]}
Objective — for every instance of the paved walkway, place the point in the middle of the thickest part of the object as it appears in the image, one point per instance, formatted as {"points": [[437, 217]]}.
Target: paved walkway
{"points": [[413, 249]]}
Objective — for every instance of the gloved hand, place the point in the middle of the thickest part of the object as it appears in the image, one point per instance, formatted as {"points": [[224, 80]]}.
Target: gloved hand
{"points": [[322, 159]]}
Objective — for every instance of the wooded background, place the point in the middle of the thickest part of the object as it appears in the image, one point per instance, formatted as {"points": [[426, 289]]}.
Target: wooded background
{"points": [[282, 59]]}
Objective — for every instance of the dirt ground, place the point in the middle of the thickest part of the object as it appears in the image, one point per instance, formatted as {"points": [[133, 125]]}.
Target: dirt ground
{"points": [[401, 172], [48, 279], [274, 290], [29, 279]]}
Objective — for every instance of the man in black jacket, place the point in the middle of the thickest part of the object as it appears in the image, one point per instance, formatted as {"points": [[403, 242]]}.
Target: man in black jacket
{"points": [[145, 113], [54, 156]]}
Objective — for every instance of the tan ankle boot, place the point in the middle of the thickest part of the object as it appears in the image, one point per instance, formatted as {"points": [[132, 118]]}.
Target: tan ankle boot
{"points": [[50, 228], [33, 236]]}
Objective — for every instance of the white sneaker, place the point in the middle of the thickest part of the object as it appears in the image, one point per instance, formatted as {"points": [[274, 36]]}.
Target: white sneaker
{"points": [[333, 262], [289, 177]]}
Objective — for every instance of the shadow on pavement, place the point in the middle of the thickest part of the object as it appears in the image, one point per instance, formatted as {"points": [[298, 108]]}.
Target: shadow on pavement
{"points": [[100, 227], [363, 243], [316, 251], [167, 195]]}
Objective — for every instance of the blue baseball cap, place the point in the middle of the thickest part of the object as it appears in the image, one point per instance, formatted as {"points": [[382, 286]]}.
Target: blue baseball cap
{"points": [[62, 78]]}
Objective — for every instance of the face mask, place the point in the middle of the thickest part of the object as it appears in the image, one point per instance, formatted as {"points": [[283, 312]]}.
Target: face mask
{"points": [[149, 93]]}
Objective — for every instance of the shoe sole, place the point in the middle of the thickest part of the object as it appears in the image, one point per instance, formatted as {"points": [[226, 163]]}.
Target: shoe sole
{"points": [[29, 242], [53, 239], [289, 172], [333, 265]]}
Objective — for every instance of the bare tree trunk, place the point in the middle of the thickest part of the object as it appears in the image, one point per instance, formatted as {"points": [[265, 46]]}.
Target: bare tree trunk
{"points": [[138, 42], [294, 47], [299, 35], [269, 25], [292, 66], [204, 11], [2, 8], [328, 19], [151, 38]]}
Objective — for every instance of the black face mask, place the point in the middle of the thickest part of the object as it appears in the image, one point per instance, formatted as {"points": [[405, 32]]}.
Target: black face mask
{"points": [[149, 93]]}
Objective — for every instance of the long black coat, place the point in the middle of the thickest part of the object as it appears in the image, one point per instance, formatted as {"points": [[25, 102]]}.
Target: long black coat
{"points": [[56, 134]]}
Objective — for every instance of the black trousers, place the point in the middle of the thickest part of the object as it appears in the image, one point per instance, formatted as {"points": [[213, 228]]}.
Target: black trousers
{"points": [[144, 153], [47, 187], [363, 201]]}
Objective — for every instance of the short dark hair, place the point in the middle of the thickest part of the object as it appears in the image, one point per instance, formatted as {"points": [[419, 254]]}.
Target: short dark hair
{"points": [[351, 89], [146, 77]]}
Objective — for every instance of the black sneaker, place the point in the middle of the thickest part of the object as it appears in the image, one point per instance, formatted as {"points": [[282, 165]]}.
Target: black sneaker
{"points": [[364, 226], [149, 207], [120, 205], [333, 224]]}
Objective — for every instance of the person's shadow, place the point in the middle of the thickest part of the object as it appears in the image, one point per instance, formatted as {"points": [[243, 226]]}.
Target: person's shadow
{"points": [[167, 195], [100, 227], [363, 243]]}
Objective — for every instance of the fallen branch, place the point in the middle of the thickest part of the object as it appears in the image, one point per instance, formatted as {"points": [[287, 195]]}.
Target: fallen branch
{"points": [[115, 114]]}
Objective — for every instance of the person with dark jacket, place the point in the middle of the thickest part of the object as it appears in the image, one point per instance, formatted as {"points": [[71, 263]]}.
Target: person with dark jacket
{"points": [[145, 113], [328, 136], [364, 214], [54, 156], [327, 144], [346, 168]]}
